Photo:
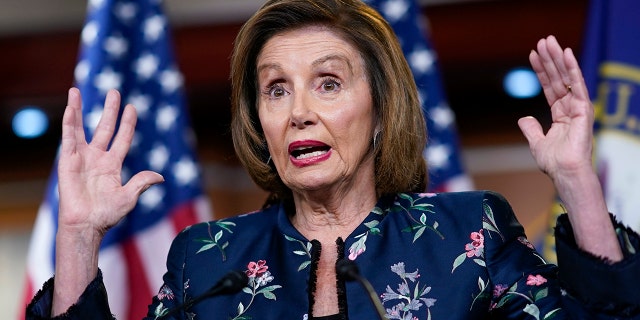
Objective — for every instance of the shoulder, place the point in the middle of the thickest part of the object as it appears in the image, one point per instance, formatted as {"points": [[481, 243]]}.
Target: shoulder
{"points": [[464, 201], [247, 222]]}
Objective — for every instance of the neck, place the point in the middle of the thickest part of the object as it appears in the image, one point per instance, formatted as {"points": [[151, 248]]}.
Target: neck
{"points": [[327, 218]]}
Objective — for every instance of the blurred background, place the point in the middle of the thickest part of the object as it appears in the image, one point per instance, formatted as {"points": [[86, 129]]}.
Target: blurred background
{"points": [[478, 43]]}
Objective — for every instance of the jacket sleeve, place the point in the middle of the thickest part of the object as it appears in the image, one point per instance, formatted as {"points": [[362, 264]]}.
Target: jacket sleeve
{"points": [[92, 304], [171, 293], [593, 285], [521, 284]]}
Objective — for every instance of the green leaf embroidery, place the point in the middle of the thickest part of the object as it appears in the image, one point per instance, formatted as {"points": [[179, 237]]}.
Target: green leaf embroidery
{"points": [[206, 247], [458, 261], [541, 294], [552, 314], [533, 310], [213, 241]]}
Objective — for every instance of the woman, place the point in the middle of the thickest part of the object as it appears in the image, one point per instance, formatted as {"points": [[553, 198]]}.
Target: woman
{"points": [[326, 118]]}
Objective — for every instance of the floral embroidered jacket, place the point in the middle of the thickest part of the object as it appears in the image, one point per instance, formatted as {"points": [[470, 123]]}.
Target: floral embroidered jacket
{"points": [[427, 256]]}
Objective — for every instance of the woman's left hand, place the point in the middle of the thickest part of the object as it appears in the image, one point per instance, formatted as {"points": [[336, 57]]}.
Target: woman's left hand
{"points": [[564, 152], [566, 148]]}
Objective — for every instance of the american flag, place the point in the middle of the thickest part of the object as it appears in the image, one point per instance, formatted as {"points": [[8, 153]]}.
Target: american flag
{"points": [[125, 45], [442, 153]]}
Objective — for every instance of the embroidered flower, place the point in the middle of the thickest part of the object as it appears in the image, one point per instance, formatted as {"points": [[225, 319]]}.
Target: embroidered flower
{"points": [[475, 248], [256, 269], [427, 195], [354, 253], [259, 277], [398, 269], [410, 295], [165, 293], [499, 289], [264, 279], [535, 280], [526, 242]]}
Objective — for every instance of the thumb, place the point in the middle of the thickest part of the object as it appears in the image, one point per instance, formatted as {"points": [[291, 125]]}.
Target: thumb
{"points": [[531, 129], [142, 181]]}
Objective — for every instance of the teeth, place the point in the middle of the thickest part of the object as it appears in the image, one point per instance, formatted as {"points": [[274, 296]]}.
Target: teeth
{"points": [[311, 154]]}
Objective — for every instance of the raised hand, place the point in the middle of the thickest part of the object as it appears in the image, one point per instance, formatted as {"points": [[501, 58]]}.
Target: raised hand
{"points": [[92, 196], [91, 191], [564, 152], [566, 148]]}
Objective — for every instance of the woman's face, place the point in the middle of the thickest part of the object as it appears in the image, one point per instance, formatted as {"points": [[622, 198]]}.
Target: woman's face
{"points": [[316, 110]]}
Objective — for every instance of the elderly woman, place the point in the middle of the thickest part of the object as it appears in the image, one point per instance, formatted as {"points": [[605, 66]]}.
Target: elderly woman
{"points": [[326, 118]]}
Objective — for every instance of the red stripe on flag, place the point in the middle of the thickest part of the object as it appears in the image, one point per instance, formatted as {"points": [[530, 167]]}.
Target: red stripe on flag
{"points": [[184, 216], [139, 291], [26, 299]]}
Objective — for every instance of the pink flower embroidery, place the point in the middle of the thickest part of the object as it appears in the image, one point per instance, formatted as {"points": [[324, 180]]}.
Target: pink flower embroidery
{"points": [[354, 253], [427, 195], [165, 292], [526, 242], [499, 289], [476, 246], [256, 268], [535, 280]]}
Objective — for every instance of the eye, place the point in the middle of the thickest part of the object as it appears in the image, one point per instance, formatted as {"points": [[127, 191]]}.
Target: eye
{"points": [[275, 91], [330, 84]]}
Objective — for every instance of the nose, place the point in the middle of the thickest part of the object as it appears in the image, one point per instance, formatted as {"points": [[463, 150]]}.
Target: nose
{"points": [[302, 111]]}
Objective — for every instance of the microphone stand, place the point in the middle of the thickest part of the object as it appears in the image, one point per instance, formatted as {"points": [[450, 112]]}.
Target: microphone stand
{"points": [[348, 271], [230, 283]]}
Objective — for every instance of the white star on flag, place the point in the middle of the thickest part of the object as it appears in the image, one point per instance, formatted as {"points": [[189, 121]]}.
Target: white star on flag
{"points": [[185, 171], [158, 157], [147, 65], [125, 11], [153, 28], [89, 33], [141, 103], [107, 80], [151, 198], [92, 118], [116, 46], [170, 80], [438, 155], [442, 116], [81, 72], [395, 9], [421, 60], [166, 117]]}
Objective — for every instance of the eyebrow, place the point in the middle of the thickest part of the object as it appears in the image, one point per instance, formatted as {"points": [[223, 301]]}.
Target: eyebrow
{"points": [[315, 63], [332, 57], [268, 66]]}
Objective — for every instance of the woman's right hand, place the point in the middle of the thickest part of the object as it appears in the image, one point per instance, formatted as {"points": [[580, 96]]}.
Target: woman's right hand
{"points": [[91, 191], [92, 196]]}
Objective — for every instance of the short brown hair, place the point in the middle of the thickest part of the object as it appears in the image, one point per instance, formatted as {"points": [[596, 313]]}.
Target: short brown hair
{"points": [[399, 164]]}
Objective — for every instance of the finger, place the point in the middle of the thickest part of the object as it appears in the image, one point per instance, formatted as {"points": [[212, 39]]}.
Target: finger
{"points": [[106, 126], [557, 54], [72, 128], [545, 82], [548, 53], [126, 130], [531, 129], [578, 86], [142, 181]]}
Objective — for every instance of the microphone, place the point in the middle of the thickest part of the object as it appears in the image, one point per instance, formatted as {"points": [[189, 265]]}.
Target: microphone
{"points": [[347, 270], [230, 283]]}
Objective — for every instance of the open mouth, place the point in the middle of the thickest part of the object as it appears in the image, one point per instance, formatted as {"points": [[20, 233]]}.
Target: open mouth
{"points": [[309, 152]]}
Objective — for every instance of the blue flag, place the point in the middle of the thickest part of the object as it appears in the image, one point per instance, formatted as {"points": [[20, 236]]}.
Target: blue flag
{"points": [[442, 153], [611, 68], [125, 45]]}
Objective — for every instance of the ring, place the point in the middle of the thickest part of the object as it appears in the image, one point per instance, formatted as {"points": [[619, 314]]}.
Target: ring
{"points": [[568, 86]]}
